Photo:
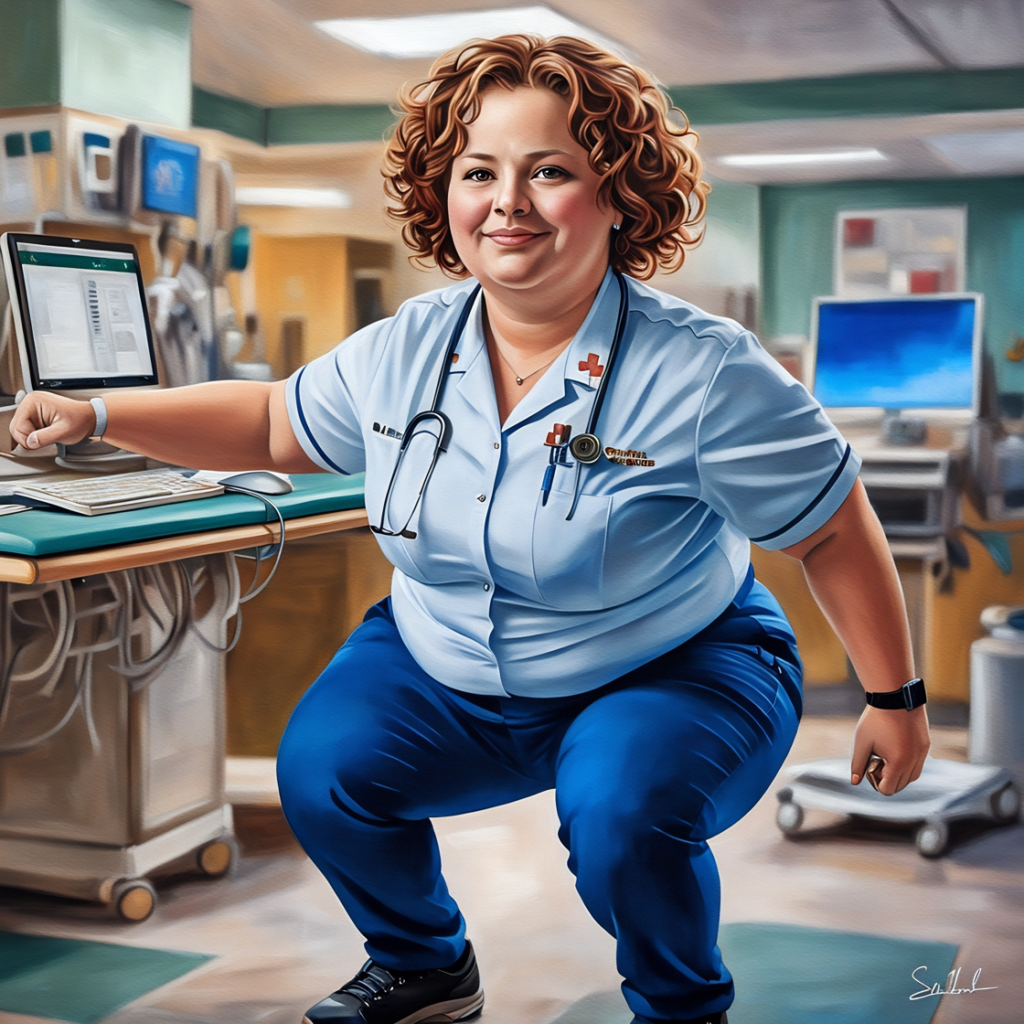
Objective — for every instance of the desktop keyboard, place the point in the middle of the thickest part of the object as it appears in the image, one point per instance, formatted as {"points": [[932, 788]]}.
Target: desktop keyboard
{"points": [[119, 492]]}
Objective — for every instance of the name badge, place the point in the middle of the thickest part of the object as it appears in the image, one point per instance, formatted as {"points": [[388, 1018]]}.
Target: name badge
{"points": [[628, 457]]}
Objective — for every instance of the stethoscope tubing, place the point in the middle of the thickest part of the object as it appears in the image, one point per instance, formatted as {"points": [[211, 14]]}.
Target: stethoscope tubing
{"points": [[609, 365], [435, 412], [456, 337], [427, 414]]}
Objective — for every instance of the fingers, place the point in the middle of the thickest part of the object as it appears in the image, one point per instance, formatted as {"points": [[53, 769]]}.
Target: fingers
{"points": [[862, 750], [889, 746], [49, 435], [891, 781], [43, 419], [24, 422], [884, 778]]}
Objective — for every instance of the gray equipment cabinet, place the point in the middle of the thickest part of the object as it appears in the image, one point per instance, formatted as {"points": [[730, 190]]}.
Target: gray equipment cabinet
{"points": [[112, 731]]}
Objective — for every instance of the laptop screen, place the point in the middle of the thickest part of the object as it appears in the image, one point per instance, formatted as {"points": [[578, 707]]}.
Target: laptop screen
{"points": [[82, 312]]}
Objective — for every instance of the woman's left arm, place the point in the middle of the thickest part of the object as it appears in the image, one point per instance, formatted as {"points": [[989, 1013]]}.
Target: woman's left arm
{"points": [[852, 577]]}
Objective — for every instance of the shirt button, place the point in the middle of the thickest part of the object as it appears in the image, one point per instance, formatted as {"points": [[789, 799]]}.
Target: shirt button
{"points": [[496, 445], [487, 586], [481, 497]]}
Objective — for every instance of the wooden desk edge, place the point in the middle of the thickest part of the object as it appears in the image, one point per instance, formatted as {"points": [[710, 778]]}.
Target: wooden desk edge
{"points": [[23, 569]]}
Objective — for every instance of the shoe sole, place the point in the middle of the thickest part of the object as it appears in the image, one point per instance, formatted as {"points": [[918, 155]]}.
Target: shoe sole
{"points": [[442, 1013]]}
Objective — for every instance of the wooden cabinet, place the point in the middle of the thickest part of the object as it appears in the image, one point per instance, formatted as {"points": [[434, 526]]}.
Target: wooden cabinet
{"points": [[291, 631]]}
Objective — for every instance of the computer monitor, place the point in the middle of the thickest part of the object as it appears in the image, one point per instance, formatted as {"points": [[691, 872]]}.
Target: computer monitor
{"points": [[913, 352], [79, 314]]}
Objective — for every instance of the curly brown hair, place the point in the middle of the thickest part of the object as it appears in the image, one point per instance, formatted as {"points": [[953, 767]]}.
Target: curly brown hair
{"points": [[648, 166]]}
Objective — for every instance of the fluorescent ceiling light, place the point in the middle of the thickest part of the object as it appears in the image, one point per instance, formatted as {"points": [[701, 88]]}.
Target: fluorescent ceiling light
{"points": [[319, 197], [844, 156], [982, 152], [428, 35]]}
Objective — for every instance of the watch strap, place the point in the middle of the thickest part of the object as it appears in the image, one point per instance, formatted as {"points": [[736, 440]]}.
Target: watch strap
{"points": [[909, 696], [100, 408]]}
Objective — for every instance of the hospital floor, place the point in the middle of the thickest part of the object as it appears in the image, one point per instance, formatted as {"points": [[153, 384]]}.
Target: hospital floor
{"points": [[280, 941]]}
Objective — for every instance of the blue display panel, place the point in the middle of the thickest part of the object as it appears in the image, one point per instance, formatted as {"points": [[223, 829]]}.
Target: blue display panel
{"points": [[170, 176], [902, 353]]}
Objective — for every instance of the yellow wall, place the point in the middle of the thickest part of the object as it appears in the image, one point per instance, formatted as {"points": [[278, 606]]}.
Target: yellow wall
{"points": [[302, 277], [952, 614]]}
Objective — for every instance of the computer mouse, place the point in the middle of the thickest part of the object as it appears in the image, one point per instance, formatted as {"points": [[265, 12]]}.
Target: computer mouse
{"points": [[264, 481]]}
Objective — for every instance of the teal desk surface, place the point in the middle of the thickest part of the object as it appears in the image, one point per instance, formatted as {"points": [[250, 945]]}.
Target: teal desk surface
{"points": [[36, 533]]}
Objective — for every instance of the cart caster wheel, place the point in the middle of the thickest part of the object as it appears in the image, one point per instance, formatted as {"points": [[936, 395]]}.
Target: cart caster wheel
{"points": [[789, 817], [134, 899], [932, 838], [215, 858], [1006, 803]]}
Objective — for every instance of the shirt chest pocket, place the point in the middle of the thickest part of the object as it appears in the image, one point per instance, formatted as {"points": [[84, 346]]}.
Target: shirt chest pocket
{"points": [[569, 554]]}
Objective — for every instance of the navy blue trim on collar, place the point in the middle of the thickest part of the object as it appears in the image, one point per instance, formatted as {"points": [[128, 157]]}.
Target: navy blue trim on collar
{"points": [[821, 494], [309, 434]]}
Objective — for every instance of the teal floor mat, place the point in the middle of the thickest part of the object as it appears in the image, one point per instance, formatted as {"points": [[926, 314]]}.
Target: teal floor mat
{"points": [[81, 982], [786, 974]]}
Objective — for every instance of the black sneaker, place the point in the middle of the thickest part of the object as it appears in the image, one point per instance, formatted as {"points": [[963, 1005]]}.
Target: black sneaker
{"points": [[379, 996]]}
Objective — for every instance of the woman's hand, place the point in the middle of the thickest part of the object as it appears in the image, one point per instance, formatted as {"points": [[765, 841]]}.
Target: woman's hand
{"points": [[42, 419], [899, 738], [852, 577]]}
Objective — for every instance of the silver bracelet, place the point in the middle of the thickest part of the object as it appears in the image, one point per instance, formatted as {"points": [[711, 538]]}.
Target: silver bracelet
{"points": [[100, 408]]}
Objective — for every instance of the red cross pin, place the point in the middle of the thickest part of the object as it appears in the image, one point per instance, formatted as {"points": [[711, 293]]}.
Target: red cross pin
{"points": [[592, 365]]}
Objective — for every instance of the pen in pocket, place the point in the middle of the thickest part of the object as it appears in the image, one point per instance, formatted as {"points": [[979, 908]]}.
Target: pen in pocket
{"points": [[556, 442]]}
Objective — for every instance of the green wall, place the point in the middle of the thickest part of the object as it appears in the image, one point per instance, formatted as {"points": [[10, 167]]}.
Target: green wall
{"points": [[228, 114], [126, 58], [797, 226], [728, 256], [282, 126], [29, 53], [901, 93]]}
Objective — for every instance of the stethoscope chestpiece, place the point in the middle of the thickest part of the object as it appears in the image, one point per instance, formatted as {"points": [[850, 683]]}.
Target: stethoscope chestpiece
{"points": [[585, 448]]}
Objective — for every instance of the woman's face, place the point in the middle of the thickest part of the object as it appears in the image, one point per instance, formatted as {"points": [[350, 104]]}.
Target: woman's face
{"points": [[522, 202]]}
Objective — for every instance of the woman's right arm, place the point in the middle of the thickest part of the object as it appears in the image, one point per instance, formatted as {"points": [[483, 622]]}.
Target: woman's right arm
{"points": [[218, 425]]}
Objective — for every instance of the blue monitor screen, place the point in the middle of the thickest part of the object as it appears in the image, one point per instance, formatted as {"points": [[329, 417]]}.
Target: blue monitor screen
{"points": [[170, 176], [897, 353]]}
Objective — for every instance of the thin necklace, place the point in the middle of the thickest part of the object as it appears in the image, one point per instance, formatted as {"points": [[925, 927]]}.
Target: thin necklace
{"points": [[520, 380]]}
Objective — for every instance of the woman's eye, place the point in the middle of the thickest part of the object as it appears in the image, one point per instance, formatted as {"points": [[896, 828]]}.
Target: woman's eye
{"points": [[550, 173], [479, 174]]}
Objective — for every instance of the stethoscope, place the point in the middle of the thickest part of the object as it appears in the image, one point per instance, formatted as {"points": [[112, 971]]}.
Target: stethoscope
{"points": [[585, 448]]}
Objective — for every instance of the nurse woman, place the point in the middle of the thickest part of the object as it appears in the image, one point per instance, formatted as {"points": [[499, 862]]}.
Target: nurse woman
{"points": [[566, 468]]}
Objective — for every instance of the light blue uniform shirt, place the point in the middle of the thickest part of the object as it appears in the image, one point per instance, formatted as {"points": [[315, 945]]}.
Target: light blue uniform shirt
{"points": [[499, 593]]}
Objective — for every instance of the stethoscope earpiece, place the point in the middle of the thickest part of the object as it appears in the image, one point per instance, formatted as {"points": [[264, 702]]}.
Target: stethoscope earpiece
{"points": [[585, 448]]}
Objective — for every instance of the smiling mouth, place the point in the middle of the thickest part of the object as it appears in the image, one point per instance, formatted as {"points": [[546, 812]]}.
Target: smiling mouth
{"points": [[512, 239]]}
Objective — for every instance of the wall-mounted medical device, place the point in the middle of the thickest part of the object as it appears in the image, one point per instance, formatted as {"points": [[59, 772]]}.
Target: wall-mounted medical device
{"points": [[98, 172], [159, 176]]}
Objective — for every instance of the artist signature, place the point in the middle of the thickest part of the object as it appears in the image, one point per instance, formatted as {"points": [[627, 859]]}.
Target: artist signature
{"points": [[952, 985]]}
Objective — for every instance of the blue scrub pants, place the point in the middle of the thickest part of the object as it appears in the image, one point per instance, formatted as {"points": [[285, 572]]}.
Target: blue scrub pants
{"points": [[645, 769]]}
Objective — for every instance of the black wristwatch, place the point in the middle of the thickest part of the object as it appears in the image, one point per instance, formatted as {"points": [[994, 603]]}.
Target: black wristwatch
{"points": [[909, 696]]}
